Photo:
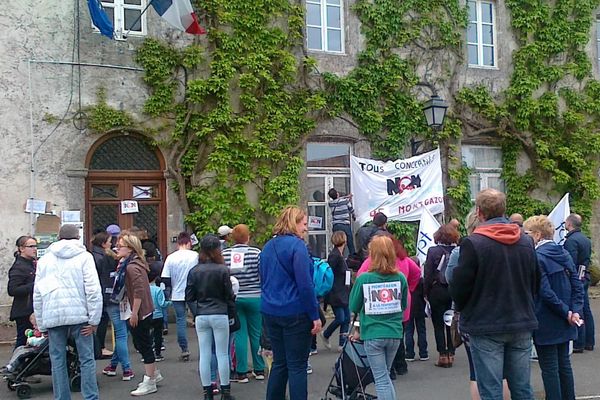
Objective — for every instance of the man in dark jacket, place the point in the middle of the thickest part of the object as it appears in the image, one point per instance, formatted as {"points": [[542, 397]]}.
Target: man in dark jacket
{"points": [[493, 287], [579, 247], [366, 233]]}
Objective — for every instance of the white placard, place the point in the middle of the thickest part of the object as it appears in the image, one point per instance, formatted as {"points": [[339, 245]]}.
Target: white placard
{"points": [[129, 207], [558, 216], [315, 222], [35, 206], [399, 189], [427, 227], [237, 261], [70, 216], [382, 298]]}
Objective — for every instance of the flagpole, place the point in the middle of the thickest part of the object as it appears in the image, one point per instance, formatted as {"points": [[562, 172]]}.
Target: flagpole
{"points": [[126, 34]]}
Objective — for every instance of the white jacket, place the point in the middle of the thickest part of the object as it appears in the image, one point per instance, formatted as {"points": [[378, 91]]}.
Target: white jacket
{"points": [[66, 290]]}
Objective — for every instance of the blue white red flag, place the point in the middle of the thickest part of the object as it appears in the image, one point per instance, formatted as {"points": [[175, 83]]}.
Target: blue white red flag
{"points": [[100, 19], [179, 14], [427, 227]]}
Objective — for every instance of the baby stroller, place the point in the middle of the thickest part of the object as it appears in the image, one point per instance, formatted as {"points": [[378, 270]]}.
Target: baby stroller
{"points": [[35, 360], [351, 375]]}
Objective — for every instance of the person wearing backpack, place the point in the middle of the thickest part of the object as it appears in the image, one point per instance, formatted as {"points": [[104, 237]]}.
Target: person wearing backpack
{"points": [[435, 290], [558, 307], [337, 298]]}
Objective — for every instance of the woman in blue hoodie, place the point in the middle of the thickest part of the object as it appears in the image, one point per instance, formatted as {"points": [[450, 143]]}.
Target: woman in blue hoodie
{"points": [[557, 308], [288, 304]]}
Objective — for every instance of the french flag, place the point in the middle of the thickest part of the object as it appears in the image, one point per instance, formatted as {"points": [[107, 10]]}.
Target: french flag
{"points": [[179, 14]]}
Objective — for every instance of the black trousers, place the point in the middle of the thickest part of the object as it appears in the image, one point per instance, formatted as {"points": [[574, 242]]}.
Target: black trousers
{"points": [[157, 328], [102, 327], [440, 301], [399, 364], [143, 340]]}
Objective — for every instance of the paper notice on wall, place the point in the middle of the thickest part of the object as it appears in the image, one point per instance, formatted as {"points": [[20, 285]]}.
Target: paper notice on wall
{"points": [[35, 206], [129, 207], [70, 216], [315, 223]]}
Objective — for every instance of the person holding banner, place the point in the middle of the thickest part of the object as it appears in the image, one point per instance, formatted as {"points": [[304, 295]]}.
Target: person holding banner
{"points": [[579, 247], [435, 288], [342, 215], [380, 296]]}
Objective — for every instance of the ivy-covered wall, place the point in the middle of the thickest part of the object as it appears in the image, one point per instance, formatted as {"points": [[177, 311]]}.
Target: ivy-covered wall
{"points": [[236, 107]]}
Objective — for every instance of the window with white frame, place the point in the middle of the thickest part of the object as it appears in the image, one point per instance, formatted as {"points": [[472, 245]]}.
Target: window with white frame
{"points": [[485, 163], [481, 33], [125, 15], [598, 39], [324, 25]]}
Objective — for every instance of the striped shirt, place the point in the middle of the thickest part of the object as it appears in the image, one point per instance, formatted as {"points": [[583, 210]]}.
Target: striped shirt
{"points": [[341, 210], [242, 261]]}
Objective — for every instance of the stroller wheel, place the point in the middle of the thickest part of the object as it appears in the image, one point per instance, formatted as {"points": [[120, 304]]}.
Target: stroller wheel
{"points": [[24, 391], [76, 383], [10, 385]]}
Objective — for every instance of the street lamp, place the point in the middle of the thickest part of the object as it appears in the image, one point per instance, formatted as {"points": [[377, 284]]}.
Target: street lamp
{"points": [[435, 111]]}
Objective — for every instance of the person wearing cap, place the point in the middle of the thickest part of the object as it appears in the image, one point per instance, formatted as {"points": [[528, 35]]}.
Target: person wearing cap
{"points": [[366, 233], [174, 275], [224, 232], [114, 231], [67, 303], [209, 287]]}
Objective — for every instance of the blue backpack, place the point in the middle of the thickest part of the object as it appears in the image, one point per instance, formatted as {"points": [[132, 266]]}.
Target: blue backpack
{"points": [[322, 276]]}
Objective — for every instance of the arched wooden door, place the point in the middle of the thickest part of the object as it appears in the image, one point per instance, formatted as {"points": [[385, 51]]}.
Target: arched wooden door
{"points": [[126, 167]]}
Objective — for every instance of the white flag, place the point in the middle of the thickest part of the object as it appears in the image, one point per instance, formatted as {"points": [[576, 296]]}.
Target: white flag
{"points": [[399, 189], [427, 227], [558, 216]]}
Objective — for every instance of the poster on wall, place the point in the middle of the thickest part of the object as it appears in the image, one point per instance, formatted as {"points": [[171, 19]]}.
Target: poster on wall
{"points": [[399, 188]]}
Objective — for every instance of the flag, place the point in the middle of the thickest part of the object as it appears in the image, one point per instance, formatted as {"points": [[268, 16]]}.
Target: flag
{"points": [[427, 227], [179, 14], [100, 19], [558, 216]]}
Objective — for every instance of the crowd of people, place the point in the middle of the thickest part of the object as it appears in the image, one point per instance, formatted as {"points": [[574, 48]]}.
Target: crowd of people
{"points": [[504, 287]]}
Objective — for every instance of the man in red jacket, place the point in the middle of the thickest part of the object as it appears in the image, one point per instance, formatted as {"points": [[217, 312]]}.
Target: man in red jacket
{"points": [[493, 287]]}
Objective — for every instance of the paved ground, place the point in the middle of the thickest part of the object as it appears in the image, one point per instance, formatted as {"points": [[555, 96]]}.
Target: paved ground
{"points": [[424, 380]]}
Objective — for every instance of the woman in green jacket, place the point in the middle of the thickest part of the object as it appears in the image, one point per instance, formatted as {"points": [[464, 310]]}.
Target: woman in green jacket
{"points": [[380, 296]]}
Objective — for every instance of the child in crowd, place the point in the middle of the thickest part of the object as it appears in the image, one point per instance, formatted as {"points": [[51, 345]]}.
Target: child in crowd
{"points": [[158, 297]]}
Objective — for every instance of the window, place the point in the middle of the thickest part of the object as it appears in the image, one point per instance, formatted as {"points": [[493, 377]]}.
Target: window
{"points": [[486, 167], [328, 155], [481, 34], [125, 15], [324, 21], [598, 39]]}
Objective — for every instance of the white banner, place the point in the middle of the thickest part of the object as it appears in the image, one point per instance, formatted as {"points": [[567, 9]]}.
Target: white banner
{"points": [[399, 189], [428, 226], [558, 216]]}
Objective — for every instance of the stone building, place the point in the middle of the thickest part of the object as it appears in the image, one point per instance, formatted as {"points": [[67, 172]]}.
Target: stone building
{"points": [[55, 63]]}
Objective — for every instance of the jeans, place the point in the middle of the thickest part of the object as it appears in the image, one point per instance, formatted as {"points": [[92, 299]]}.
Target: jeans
{"points": [[347, 229], [342, 319], [208, 328], [121, 350], [381, 353], [248, 310], [181, 319], [409, 332], [22, 325], [290, 341], [508, 354], [58, 337], [440, 301], [557, 373], [586, 332]]}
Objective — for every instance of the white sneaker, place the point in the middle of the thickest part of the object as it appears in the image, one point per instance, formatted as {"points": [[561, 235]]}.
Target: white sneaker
{"points": [[147, 386], [158, 376]]}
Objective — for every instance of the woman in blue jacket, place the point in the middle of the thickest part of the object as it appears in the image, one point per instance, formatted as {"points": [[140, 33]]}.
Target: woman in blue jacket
{"points": [[288, 304], [557, 307]]}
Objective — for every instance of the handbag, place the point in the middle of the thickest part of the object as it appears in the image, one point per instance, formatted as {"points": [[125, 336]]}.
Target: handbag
{"points": [[234, 319], [454, 331]]}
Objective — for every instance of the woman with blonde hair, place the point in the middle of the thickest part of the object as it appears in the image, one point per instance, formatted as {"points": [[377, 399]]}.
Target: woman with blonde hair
{"points": [[137, 306], [380, 296], [288, 304], [558, 305]]}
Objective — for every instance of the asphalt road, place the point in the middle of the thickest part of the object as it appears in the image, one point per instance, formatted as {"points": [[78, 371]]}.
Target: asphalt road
{"points": [[423, 381]]}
